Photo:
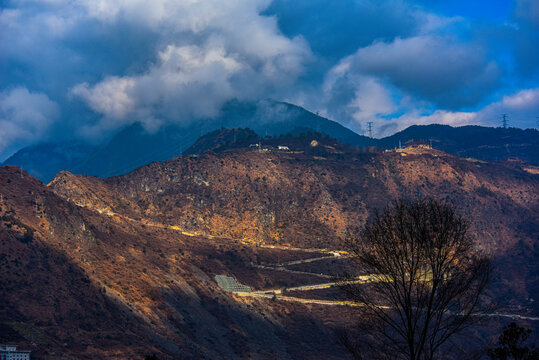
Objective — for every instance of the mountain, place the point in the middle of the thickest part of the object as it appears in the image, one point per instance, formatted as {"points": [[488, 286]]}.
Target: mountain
{"points": [[44, 161], [142, 253], [224, 139], [273, 118], [80, 283], [134, 146], [479, 142], [300, 139]]}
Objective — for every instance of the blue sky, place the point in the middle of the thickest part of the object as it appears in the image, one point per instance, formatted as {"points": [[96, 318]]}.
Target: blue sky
{"points": [[82, 69]]}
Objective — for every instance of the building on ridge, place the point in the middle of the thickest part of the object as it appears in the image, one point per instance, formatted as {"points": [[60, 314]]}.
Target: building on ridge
{"points": [[418, 145], [10, 352]]}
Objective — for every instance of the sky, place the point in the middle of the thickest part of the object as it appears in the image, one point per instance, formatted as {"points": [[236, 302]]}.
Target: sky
{"points": [[83, 69]]}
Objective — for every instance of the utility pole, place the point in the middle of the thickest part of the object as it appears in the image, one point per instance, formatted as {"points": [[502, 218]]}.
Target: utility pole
{"points": [[504, 121], [369, 124]]}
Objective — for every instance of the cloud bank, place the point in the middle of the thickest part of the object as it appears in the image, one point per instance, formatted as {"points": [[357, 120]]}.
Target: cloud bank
{"points": [[24, 116], [89, 67]]}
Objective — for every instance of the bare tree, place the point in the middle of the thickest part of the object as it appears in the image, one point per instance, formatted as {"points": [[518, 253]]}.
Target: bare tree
{"points": [[424, 280]]}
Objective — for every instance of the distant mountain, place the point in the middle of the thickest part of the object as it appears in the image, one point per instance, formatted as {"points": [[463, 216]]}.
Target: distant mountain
{"points": [[44, 161], [484, 143], [273, 118], [133, 146], [302, 139], [223, 139]]}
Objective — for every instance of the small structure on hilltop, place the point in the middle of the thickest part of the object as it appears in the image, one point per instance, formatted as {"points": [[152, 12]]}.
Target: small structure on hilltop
{"points": [[10, 352], [418, 145]]}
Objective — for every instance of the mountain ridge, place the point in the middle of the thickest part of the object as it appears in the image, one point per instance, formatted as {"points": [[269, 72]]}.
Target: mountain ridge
{"points": [[133, 146]]}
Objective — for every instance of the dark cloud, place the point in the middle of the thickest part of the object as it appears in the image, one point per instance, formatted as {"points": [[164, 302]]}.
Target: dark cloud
{"points": [[450, 74], [337, 29]]}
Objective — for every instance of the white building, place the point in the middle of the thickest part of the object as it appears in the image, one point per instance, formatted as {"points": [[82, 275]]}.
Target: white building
{"points": [[10, 352], [283, 147]]}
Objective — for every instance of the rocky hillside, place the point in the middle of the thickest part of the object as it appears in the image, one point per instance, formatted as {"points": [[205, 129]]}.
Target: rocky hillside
{"points": [[320, 198], [86, 284], [124, 267]]}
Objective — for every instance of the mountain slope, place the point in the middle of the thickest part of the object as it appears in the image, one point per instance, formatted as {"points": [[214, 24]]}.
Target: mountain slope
{"points": [[309, 200], [479, 142], [46, 295], [133, 146], [90, 284], [143, 249], [44, 161]]}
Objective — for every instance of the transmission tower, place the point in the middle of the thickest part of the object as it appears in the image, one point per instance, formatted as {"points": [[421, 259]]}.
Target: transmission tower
{"points": [[504, 121], [369, 124]]}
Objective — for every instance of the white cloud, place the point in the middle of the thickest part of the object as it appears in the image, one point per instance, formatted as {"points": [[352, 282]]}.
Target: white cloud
{"points": [[388, 127], [371, 98], [523, 100], [24, 116], [210, 52], [110, 97], [406, 80], [187, 82]]}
